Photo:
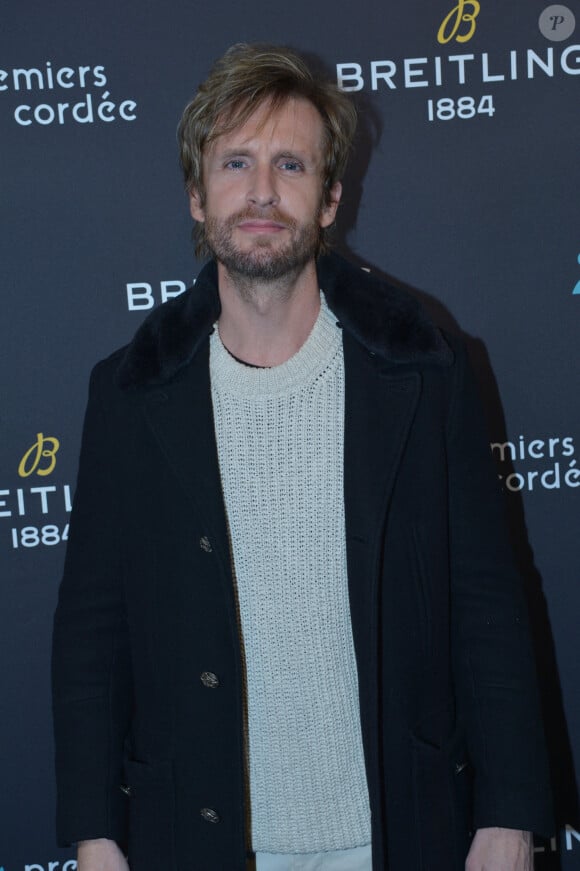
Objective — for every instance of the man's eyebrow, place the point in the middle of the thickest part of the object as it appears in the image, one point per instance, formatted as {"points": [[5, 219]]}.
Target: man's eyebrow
{"points": [[301, 156], [232, 152]]}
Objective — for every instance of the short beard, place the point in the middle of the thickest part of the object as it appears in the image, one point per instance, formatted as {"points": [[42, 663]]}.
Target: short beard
{"points": [[261, 265]]}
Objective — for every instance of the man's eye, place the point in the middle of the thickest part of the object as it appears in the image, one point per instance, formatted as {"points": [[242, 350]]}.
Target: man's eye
{"points": [[291, 165], [235, 164]]}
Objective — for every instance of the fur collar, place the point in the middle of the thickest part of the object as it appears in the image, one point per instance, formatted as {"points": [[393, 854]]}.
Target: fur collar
{"points": [[386, 320]]}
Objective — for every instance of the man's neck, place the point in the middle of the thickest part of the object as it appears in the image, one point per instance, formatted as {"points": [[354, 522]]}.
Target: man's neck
{"points": [[265, 324]]}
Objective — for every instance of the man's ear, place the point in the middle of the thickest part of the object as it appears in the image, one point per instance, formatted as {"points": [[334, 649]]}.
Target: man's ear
{"points": [[328, 211], [196, 205]]}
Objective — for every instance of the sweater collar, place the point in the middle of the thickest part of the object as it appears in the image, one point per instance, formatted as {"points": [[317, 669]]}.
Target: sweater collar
{"points": [[383, 318]]}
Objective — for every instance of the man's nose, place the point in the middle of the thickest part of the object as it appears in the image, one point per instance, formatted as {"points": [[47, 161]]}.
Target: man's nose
{"points": [[263, 190]]}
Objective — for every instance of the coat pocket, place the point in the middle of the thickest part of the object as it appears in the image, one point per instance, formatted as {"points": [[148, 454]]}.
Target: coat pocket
{"points": [[151, 791], [443, 804]]}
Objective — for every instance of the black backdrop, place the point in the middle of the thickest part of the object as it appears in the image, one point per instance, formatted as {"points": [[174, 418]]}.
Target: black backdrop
{"points": [[464, 187]]}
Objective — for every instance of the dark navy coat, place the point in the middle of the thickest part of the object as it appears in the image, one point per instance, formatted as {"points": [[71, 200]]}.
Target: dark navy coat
{"points": [[149, 749]]}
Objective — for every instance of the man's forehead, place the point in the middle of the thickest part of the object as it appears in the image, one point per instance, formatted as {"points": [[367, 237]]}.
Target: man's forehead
{"points": [[295, 120]]}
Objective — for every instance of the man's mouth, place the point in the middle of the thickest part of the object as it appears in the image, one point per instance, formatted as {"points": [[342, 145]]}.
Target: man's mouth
{"points": [[258, 225]]}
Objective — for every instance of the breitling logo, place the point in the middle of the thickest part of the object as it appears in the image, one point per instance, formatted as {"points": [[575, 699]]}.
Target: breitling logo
{"points": [[40, 458], [459, 23]]}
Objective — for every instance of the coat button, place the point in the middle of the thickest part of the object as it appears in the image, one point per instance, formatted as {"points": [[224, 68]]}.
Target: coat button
{"points": [[205, 544], [124, 787], [209, 815], [209, 679]]}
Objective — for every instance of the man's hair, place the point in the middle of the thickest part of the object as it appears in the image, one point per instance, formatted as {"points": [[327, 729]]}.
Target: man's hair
{"points": [[246, 77]]}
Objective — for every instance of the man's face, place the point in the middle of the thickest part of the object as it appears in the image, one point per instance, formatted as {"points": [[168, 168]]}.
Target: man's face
{"points": [[263, 206]]}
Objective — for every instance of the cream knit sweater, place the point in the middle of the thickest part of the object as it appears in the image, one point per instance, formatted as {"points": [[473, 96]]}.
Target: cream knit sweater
{"points": [[280, 445]]}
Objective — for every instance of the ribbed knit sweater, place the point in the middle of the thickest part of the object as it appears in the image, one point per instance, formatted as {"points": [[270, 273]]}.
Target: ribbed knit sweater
{"points": [[280, 446]]}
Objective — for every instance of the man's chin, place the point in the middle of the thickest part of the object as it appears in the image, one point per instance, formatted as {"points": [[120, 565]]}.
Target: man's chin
{"points": [[263, 270], [262, 265]]}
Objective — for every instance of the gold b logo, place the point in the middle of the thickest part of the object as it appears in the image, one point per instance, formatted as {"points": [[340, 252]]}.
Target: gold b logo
{"points": [[44, 448], [465, 12]]}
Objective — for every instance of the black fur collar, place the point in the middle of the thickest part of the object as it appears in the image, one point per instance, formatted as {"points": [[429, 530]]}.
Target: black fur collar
{"points": [[385, 319]]}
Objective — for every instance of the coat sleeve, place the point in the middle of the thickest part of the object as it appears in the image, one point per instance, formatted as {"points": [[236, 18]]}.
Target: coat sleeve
{"points": [[92, 689], [493, 661]]}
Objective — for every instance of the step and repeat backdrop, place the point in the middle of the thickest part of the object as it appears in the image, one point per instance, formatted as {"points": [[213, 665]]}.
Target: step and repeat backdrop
{"points": [[463, 187]]}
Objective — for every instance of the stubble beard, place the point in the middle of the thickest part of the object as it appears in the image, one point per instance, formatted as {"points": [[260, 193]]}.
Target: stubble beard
{"points": [[265, 264]]}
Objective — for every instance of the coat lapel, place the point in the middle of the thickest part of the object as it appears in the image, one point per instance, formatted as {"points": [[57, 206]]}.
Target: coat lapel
{"points": [[180, 415], [380, 403]]}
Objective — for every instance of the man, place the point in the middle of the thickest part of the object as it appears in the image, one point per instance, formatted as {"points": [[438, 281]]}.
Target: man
{"points": [[289, 631]]}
